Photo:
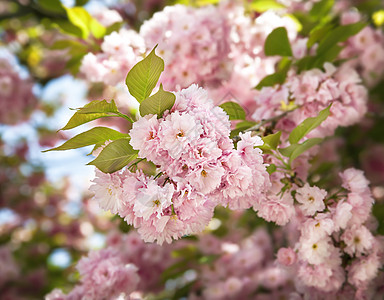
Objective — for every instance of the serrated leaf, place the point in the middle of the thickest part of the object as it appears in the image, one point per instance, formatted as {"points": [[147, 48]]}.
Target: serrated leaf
{"points": [[308, 125], [99, 106], [158, 103], [97, 135], [295, 150], [277, 43], [91, 111], [271, 141], [143, 77], [115, 156], [233, 110]]}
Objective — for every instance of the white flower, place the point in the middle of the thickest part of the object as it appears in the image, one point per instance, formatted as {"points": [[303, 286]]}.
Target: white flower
{"points": [[311, 199], [315, 251], [153, 199], [108, 191]]}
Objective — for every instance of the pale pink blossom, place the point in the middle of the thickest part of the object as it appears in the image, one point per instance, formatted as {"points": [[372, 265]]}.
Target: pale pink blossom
{"points": [[354, 180], [358, 240], [314, 250], [107, 189], [286, 256], [311, 199], [363, 270]]}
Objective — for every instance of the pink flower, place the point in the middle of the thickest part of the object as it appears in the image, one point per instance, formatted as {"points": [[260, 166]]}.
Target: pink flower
{"points": [[314, 250], [107, 189], [363, 270], [275, 209], [311, 199], [320, 226], [177, 132], [354, 180], [358, 240], [317, 276], [144, 136], [104, 275], [341, 215], [286, 256], [152, 200]]}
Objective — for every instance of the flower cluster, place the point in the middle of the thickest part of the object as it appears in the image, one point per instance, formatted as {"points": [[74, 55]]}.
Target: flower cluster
{"points": [[198, 167], [16, 95], [334, 234], [120, 51], [127, 266], [192, 42], [366, 48], [312, 91]]}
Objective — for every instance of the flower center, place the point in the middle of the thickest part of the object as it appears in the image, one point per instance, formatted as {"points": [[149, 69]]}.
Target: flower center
{"points": [[180, 134], [311, 199], [204, 173], [314, 246], [156, 203]]}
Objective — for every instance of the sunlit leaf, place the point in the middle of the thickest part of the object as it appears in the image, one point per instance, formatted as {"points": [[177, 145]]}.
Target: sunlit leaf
{"points": [[308, 125], [158, 103], [115, 156], [233, 110], [143, 77], [97, 135]]}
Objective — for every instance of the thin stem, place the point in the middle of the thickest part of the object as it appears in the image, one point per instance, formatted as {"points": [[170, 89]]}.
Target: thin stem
{"points": [[158, 175]]}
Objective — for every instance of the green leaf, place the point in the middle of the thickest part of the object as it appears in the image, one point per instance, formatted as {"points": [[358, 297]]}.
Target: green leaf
{"points": [[69, 28], [143, 77], [79, 17], [158, 103], [271, 169], [54, 6], [295, 150], [97, 135], [69, 44], [97, 30], [277, 78], [91, 111], [308, 125], [321, 9], [264, 5], [99, 106], [318, 33], [271, 141], [115, 156], [277, 43], [338, 35], [233, 110]]}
